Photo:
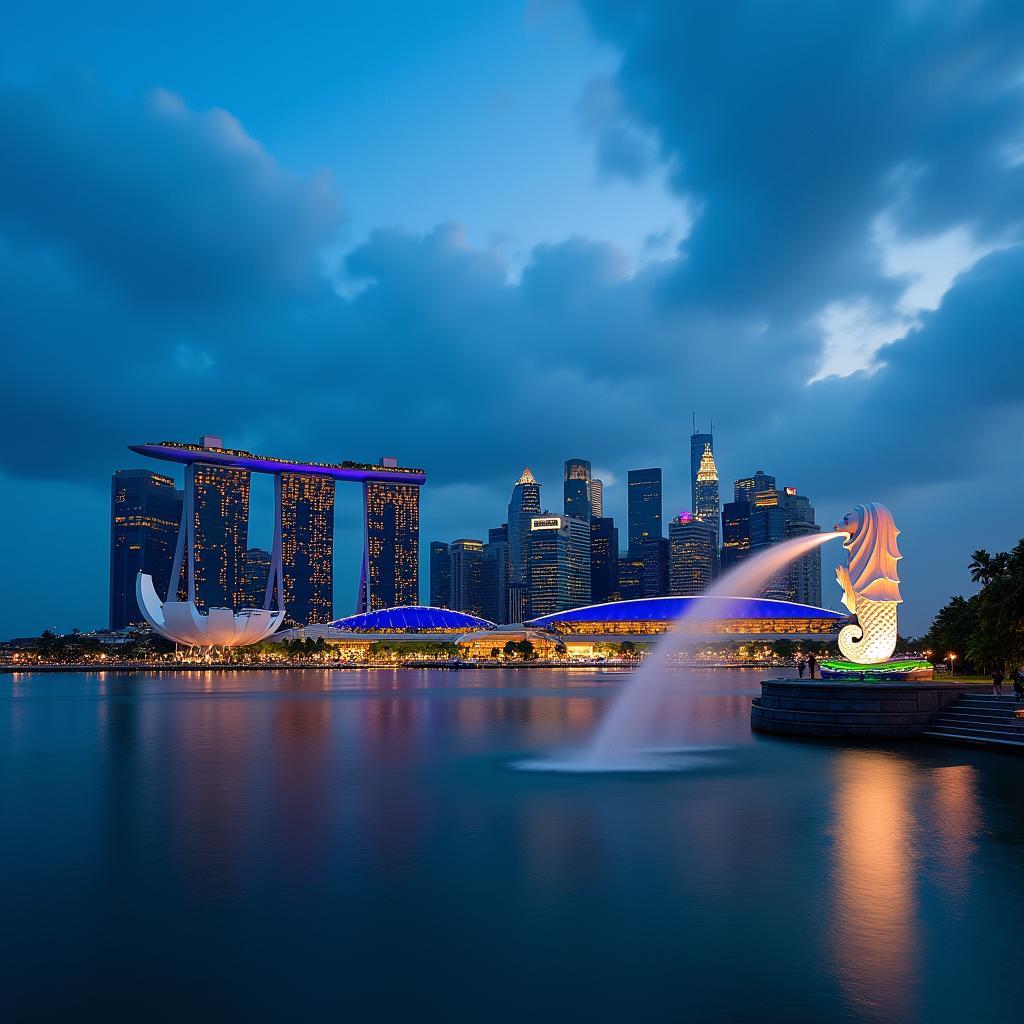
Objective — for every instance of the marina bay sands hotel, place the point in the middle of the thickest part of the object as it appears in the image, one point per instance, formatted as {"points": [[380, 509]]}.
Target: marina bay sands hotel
{"points": [[202, 531]]}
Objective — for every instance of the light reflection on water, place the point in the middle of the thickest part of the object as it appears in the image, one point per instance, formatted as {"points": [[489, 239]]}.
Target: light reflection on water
{"points": [[331, 826]]}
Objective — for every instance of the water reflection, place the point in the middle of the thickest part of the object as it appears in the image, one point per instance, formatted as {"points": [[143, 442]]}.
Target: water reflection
{"points": [[875, 940]]}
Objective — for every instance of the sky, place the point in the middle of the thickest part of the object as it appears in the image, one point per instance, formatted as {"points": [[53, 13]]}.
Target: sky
{"points": [[484, 236]]}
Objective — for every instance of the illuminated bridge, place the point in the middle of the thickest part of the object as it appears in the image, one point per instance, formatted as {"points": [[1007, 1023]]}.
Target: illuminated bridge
{"points": [[212, 536]]}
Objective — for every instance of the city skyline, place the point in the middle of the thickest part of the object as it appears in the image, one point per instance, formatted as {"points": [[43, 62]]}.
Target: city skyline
{"points": [[578, 224]]}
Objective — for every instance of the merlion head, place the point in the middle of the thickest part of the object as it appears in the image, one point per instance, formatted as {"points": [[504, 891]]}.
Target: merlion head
{"points": [[871, 540]]}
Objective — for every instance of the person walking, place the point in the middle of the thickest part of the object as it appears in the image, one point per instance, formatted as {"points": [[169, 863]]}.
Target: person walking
{"points": [[997, 682], [812, 664], [1018, 685], [800, 666]]}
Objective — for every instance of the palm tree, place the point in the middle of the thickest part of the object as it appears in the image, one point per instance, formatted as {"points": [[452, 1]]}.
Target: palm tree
{"points": [[981, 566]]}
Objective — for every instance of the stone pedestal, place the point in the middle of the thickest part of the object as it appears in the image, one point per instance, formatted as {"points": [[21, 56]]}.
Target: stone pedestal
{"points": [[844, 709]]}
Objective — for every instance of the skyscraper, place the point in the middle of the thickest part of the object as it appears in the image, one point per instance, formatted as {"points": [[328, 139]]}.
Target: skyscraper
{"points": [[440, 575], [644, 506], [707, 505], [307, 547], [768, 527], [693, 545], [804, 573], [145, 510], [735, 533], [630, 578], [524, 505], [559, 562], [257, 572], [494, 575], [746, 487], [221, 503], [466, 563], [576, 489], [596, 498], [698, 442], [604, 559], [391, 566]]}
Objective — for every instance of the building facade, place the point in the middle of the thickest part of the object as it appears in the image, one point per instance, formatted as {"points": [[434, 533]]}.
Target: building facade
{"points": [[145, 509], [576, 489], [467, 557], [307, 548], [440, 575], [494, 575], [699, 441], [596, 498], [747, 487], [693, 544], [735, 533], [523, 506], [221, 509], [604, 559], [630, 585], [804, 573], [257, 573], [392, 549], [643, 506], [707, 504], [559, 563]]}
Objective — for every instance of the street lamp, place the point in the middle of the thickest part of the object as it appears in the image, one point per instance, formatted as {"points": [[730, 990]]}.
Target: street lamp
{"points": [[952, 658]]}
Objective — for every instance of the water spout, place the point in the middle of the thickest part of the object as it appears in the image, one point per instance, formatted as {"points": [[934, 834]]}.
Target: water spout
{"points": [[631, 727]]}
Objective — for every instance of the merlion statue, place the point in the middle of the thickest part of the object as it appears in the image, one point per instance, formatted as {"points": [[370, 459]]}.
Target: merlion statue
{"points": [[871, 585]]}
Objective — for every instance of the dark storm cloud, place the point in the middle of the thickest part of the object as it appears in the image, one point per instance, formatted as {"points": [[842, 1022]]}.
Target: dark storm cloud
{"points": [[174, 208], [793, 126]]}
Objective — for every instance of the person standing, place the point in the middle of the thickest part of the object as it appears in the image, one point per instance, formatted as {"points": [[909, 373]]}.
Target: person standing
{"points": [[800, 666], [812, 664], [1018, 685], [997, 682]]}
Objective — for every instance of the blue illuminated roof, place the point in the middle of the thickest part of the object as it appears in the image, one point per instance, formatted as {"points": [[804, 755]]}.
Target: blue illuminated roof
{"points": [[665, 609], [412, 616]]}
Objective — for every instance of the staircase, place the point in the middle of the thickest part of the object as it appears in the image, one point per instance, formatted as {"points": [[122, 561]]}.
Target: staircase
{"points": [[982, 719]]}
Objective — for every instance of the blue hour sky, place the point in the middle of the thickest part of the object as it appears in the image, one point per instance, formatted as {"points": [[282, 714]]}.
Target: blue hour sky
{"points": [[480, 236]]}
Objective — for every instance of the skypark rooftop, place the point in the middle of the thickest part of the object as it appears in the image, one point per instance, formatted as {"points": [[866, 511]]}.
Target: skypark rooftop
{"points": [[176, 451]]}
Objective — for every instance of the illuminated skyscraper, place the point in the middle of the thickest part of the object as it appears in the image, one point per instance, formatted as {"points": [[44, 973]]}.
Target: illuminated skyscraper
{"points": [[221, 509], [693, 545], [524, 505], [604, 559], [707, 506], [257, 572], [804, 573], [145, 510], [630, 583], [466, 564], [307, 547], [494, 575], [577, 489], [391, 564], [440, 575], [644, 506], [698, 442], [735, 533], [596, 498], [747, 487], [559, 563]]}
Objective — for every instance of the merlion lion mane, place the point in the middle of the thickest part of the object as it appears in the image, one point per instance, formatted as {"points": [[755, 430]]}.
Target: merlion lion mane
{"points": [[870, 582]]}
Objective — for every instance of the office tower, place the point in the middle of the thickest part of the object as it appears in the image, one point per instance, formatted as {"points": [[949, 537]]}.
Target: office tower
{"points": [[221, 504], [707, 506], [693, 545], [630, 579], [257, 572], [576, 489], [307, 548], [644, 506], [735, 533], [145, 510], [525, 504], [804, 574], [698, 442], [494, 575], [596, 498], [559, 562], [745, 488], [466, 563], [391, 560], [440, 575], [604, 559], [768, 527], [518, 602]]}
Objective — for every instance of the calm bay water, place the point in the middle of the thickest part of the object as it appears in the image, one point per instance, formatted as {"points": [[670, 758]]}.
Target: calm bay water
{"points": [[356, 845]]}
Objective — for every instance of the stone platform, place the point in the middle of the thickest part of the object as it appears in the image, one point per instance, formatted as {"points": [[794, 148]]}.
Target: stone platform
{"points": [[843, 709]]}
